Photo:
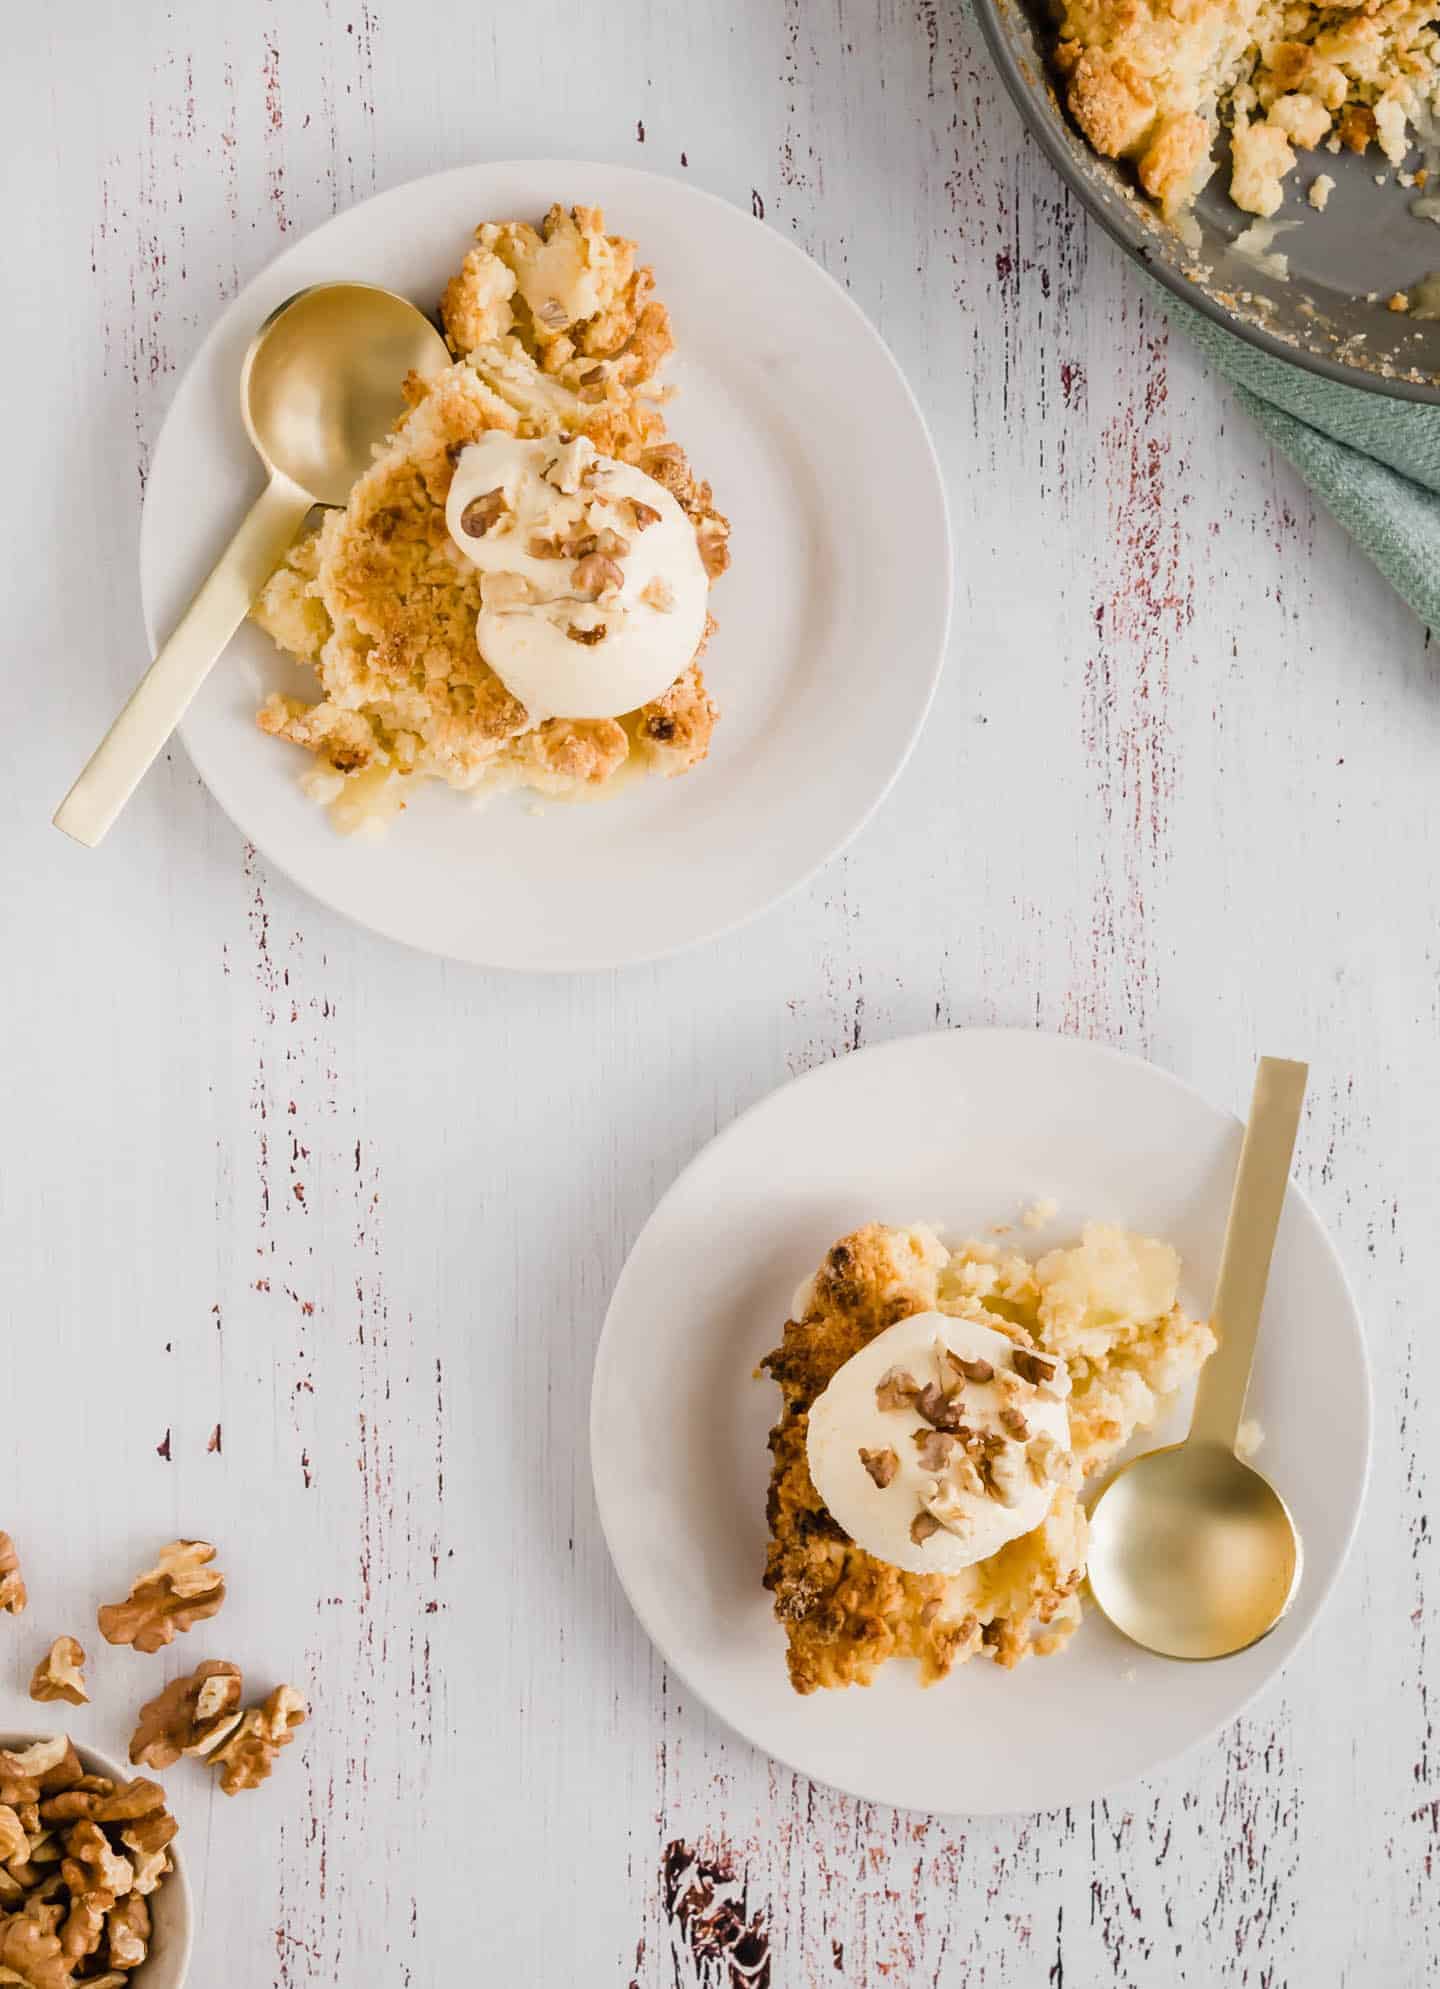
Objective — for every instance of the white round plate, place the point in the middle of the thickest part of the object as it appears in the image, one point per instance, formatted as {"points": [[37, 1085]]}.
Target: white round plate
{"points": [[960, 1130], [833, 616]]}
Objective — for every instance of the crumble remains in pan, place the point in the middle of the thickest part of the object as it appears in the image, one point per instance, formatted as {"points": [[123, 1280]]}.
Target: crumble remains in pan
{"points": [[1152, 81], [556, 334], [1106, 1309]]}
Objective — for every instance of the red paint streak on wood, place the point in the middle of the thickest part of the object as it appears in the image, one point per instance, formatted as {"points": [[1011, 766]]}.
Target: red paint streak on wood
{"points": [[1144, 602], [275, 134]]}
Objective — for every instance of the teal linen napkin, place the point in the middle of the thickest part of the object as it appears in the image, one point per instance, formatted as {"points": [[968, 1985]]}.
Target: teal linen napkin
{"points": [[1374, 461]]}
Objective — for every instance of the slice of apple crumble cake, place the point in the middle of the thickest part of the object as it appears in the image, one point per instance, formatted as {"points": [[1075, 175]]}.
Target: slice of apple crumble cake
{"points": [[557, 338]]}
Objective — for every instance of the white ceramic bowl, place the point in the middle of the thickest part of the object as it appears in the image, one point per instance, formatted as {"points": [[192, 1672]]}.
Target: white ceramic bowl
{"points": [[171, 1908]]}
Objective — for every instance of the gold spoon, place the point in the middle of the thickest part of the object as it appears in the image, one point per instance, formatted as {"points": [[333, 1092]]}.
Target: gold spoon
{"points": [[320, 387], [1192, 1553]]}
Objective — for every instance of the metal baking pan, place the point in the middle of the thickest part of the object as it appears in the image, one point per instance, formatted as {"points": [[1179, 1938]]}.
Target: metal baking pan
{"points": [[1367, 241]]}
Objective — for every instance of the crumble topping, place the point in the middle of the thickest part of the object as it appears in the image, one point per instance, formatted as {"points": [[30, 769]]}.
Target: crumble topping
{"points": [[1153, 82]]}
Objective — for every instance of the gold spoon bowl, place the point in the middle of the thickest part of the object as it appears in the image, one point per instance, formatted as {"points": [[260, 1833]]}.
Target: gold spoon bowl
{"points": [[320, 389], [1192, 1553]]}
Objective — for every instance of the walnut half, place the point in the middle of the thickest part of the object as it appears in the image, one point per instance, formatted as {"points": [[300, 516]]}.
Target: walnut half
{"points": [[60, 1674], [180, 1590], [191, 1716], [12, 1589], [247, 1757]]}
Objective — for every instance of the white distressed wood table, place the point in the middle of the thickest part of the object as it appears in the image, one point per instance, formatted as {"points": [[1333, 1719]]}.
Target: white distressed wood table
{"points": [[307, 1240]]}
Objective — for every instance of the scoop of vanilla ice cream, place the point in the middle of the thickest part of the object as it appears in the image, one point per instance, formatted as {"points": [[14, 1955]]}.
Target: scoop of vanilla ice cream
{"points": [[594, 596], [935, 1500]]}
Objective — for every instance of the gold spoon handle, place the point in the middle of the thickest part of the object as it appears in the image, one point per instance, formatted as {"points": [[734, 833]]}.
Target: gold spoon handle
{"points": [[1255, 1204], [116, 767]]}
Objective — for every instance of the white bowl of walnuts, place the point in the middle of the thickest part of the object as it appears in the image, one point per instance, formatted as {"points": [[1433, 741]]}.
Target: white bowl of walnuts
{"points": [[92, 1886]]}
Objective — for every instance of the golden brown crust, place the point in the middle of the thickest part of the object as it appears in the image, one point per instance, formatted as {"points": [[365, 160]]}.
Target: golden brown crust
{"points": [[844, 1612]]}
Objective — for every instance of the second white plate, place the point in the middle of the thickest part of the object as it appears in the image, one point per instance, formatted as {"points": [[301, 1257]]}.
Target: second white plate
{"points": [[833, 617], [959, 1130]]}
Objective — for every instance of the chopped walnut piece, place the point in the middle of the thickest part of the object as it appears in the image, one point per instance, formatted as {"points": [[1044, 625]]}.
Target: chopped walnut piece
{"points": [[976, 1371], [483, 512], [965, 1477], [191, 1716], [131, 1801], [945, 1412], [1005, 1472], [37, 1760], [896, 1389], [588, 636], [180, 1590], [166, 1723], [150, 1866], [92, 1864], [12, 1589], [922, 1526], [659, 595], [85, 1922], [127, 1931], [881, 1464], [1048, 1460], [32, 1951], [1015, 1425], [59, 1674], [642, 516], [248, 1755], [14, 1841], [71, 1805], [595, 575], [1033, 1367], [571, 463], [934, 1447]]}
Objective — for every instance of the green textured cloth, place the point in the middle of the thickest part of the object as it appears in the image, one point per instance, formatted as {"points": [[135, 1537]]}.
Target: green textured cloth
{"points": [[1374, 460]]}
